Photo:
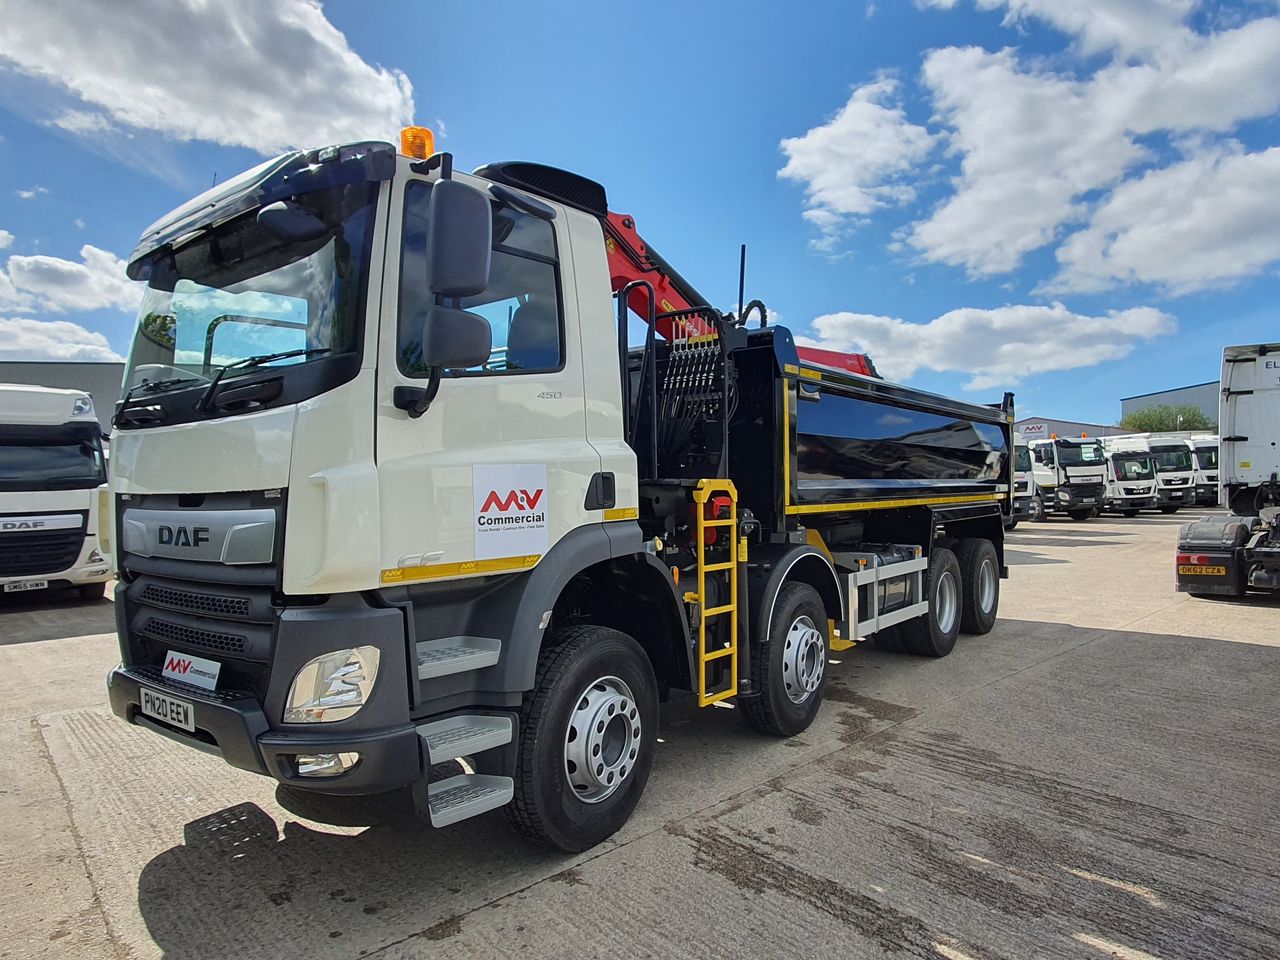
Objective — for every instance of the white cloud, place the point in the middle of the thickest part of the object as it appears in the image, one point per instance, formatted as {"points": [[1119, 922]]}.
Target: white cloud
{"points": [[855, 162], [1209, 219], [32, 193], [6, 239], [82, 122], [266, 76], [1129, 26], [96, 282], [25, 338], [996, 348]]}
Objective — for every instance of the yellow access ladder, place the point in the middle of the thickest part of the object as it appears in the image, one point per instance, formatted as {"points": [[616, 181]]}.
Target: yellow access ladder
{"points": [[705, 490]]}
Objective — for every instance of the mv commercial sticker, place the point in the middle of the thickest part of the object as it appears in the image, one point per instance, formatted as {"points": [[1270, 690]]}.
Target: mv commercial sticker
{"points": [[510, 509]]}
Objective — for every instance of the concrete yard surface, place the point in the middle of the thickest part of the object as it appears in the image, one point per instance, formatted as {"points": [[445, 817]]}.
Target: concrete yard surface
{"points": [[1095, 778]]}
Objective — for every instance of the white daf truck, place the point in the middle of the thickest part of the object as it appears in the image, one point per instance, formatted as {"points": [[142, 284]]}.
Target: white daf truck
{"points": [[392, 494], [51, 469], [1131, 476], [1224, 557], [1023, 482], [1069, 475]]}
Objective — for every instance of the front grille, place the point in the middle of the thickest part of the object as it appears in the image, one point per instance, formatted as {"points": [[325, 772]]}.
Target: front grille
{"points": [[39, 551], [192, 602], [193, 636]]}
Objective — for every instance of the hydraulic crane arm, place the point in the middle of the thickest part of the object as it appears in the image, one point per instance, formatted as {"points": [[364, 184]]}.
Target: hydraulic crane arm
{"points": [[630, 258]]}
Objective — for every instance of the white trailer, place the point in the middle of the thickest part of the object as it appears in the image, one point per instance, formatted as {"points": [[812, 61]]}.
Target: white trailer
{"points": [[51, 472]]}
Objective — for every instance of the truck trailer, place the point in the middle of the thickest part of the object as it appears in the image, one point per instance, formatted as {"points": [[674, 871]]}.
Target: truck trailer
{"points": [[51, 472], [396, 505], [1227, 556]]}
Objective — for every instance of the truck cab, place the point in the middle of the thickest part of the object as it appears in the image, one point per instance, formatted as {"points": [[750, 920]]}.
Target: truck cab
{"points": [[1023, 482], [1069, 476], [51, 469], [1175, 472], [1131, 476], [1205, 453]]}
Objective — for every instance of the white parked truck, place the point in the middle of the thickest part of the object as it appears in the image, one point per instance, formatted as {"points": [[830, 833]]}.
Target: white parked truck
{"points": [[1069, 475], [1204, 449], [1226, 556], [1023, 482], [1175, 472], [1131, 476], [393, 494], [51, 469]]}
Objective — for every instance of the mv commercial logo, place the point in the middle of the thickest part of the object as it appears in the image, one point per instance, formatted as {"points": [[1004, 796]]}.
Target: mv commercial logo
{"points": [[510, 517]]}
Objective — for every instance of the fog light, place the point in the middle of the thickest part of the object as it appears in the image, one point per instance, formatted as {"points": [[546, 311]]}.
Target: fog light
{"points": [[95, 557], [326, 764], [332, 687]]}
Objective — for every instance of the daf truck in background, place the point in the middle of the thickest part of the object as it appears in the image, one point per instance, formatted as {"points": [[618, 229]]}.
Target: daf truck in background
{"points": [[393, 494], [1023, 484], [1130, 475], [51, 469], [1069, 476], [1226, 556]]}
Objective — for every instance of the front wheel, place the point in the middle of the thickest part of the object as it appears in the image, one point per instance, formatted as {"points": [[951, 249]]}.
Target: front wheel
{"points": [[1128, 513], [92, 591], [1011, 523], [1037, 508], [789, 668], [587, 735], [1080, 514], [1169, 509], [934, 634]]}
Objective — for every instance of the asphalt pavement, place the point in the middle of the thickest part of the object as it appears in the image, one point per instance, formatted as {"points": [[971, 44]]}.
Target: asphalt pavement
{"points": [[1095, 778]]}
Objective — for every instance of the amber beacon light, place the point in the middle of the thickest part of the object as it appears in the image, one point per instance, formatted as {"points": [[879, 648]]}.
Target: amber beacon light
{"points": [[417, 142]]}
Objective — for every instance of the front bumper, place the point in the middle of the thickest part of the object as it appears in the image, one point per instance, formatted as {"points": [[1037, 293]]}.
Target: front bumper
{"points": [[1207, 494], [1077, 498], [1021, 507], [1175, 496], [1130, 503]]}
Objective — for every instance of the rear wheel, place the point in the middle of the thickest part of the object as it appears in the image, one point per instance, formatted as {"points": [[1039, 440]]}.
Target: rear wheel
{"points": [[934, 634], [92, 591], [587, 735], [788, 670], [980, 579]]}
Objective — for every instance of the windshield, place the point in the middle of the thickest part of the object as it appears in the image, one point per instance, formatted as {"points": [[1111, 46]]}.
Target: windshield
{"points": [[1075, 454], [1208, 457], [1021, 459], [1131, 466], [240, 290], [51, 466], [1171, 459]]}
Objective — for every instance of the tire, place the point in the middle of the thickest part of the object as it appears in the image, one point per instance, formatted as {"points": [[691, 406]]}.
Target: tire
{"points": [[889, 639], [1037, 509], [1128, 513], [1079, 515], [612, 671], [1011, 523], [789, 669], [979, 585], [1168, 509], [926, 636], [92, 591]]}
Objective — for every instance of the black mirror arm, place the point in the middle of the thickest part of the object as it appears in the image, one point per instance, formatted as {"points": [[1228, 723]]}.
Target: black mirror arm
{"points": [[415, 400]]}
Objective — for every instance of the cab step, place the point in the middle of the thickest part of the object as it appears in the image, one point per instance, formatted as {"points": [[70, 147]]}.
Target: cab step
{"points": [[467, 795], [440, 658], [463, 736]]}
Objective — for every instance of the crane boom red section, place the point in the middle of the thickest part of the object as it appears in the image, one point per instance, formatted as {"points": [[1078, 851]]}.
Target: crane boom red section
{"points": [[630, 258]]}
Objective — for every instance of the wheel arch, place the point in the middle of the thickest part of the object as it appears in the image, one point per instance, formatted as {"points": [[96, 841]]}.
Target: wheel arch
{"points": [[773, 566]]}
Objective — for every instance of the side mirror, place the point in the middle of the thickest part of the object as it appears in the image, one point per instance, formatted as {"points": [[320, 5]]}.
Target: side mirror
{"points": [[454, 339], [459, 240]]}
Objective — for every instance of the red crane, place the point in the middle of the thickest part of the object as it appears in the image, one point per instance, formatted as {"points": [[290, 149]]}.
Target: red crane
{"points": [[630, 258]]}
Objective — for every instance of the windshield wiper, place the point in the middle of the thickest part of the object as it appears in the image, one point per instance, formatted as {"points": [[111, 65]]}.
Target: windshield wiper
{"points": [[149, 386], [202, 405]]}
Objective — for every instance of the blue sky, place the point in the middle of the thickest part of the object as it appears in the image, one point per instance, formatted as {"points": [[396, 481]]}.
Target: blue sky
{"points": [[1077, 202]]}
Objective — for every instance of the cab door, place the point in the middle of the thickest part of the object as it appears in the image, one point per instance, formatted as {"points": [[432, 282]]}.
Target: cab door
{"points": [[496, 471]]}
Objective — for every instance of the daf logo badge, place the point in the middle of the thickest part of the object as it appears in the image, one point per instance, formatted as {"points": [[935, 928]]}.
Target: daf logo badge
{"points": [[183, 536]]}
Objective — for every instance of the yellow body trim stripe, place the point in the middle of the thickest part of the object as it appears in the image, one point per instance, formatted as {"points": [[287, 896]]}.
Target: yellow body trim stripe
{"points": [[802, 372], [437, 571], [622, 513], [890, 504]]}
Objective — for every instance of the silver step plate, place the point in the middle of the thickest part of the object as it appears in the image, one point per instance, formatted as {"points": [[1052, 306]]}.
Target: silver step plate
{"points": [[440, 658], [463, 736], [467, 795]]}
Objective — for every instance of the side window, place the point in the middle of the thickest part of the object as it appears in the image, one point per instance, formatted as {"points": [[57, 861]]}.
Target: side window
{"points": [[521, 303]]}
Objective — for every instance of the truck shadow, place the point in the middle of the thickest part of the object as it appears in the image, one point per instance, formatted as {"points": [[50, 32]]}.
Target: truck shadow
{"points": [[52, 615]]}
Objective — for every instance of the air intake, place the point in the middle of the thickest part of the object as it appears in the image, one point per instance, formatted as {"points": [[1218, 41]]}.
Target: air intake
{"points": [[559, 185]]}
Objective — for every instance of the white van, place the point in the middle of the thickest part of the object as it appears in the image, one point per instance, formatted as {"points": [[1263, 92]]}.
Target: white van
{"points": [[51, 469]]}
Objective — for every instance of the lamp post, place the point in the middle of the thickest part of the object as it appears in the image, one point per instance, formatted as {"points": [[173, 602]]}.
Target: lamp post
{"points": [[1179, 422]]}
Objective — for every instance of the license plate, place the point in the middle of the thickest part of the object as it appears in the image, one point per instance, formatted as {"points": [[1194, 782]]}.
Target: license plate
{"points": [[1196, 570], [171, 710], [22, 586], [1176, 495], [1087, 500]]}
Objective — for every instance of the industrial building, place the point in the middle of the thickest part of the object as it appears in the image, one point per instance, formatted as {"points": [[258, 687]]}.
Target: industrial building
{"points": [[1202, 396], [100, 380], [1036, 428]]}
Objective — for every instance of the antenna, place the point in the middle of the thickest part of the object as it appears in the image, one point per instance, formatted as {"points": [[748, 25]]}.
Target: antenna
{"points": [[742, 279]]}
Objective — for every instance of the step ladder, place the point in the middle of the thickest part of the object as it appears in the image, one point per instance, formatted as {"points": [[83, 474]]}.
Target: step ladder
{"points": [[728, 569]]}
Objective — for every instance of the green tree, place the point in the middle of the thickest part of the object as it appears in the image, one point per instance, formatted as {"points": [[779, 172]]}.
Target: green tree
{"points": [[1164, 417]]}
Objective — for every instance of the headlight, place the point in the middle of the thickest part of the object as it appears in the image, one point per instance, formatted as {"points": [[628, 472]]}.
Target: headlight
{"points": [[1063, 495], [81, 405], [332, 687]]}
